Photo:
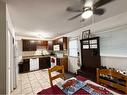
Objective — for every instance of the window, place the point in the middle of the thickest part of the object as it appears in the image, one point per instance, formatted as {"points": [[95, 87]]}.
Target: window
{"points": [[73, 47]]}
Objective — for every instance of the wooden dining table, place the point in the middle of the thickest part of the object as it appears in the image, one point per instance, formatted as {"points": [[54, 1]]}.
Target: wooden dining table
{"points": [[56, 90]]}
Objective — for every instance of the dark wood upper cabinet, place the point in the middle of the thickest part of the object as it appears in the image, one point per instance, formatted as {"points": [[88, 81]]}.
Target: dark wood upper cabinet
{"points": [[65, 45], [42, 43], [50, 45], [45, 43], [55, 42], [62, 42], [29, 45]]}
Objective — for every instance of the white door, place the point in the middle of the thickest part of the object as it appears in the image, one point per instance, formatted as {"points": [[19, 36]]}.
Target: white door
{"points": [[11, 67], [11, 63], [8, 72]]}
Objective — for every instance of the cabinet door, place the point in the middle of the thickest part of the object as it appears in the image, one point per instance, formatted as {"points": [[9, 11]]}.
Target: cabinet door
{"points": [[60, 42], [20, 68], [26, 65], [50, 45], [25, 44], [39, 43], [65, 43], [58, 61], [64, 62], [33, 45], [29, 45], [47, 62], [44, 62], [44, 43]]}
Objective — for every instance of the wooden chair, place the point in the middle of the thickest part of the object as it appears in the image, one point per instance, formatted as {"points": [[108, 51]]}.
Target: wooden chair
{"points": [[60, 75], [115, 76]]}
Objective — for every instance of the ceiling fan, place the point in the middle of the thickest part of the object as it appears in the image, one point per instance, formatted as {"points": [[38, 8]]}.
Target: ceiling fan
{"points": [[87, 10]]}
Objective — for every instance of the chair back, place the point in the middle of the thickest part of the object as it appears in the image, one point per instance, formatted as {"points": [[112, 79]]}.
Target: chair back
{"points": [[60, 75]]}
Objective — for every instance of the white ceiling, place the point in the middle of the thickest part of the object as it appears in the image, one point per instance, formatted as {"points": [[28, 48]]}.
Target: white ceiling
{"points": [[49, 18]]}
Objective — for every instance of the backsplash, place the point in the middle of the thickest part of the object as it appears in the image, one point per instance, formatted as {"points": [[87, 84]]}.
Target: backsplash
{"points": [[61, 54], [28, 53]]}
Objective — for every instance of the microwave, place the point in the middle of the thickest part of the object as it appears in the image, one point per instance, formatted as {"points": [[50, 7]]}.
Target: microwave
{"points": [[56, 47]]}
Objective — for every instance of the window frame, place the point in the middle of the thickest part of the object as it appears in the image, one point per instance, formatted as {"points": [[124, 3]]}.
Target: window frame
{"points": [[71, 39]]}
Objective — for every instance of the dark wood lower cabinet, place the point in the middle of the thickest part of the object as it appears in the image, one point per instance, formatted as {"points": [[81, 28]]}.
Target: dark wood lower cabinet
{"points": [[44, 63], [24, 66], [64, 62]]}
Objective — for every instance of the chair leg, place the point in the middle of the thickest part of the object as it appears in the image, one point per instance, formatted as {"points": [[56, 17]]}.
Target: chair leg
{"points": [[50, 78], [51, 83], [126, 90]]}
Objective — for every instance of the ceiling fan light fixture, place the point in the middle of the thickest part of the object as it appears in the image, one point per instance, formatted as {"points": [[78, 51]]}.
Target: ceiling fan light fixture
{"points": [[87, 14]]}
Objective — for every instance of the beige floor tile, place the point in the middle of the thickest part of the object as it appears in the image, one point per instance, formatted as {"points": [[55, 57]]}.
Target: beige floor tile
{"points": [[29, 94], [29, 86], [33, 82], [16, 93], [27, 90]]}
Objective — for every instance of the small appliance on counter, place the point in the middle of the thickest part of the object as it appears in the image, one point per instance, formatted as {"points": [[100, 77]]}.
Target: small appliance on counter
{"points": [[56, 47]]}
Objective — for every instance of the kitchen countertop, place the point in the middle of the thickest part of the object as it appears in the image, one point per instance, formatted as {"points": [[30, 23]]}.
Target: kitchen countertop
{"points": [[35, 56], [40, 56]]}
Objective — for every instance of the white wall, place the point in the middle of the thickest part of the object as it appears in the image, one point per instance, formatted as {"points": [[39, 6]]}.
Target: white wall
{"points": [[97, 28], [19, 51], [2, 48], [114, 62], [10, 57]]}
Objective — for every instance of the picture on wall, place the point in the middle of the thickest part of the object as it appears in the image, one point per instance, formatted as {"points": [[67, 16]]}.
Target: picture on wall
{"points": [[86, 34]]}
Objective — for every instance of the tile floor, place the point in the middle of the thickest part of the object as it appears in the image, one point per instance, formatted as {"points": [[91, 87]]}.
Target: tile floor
{"points": [[33, 82]]}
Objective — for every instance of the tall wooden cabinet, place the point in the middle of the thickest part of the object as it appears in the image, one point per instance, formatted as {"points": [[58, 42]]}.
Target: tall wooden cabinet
{"points": [[90, 55], [64, 62]]}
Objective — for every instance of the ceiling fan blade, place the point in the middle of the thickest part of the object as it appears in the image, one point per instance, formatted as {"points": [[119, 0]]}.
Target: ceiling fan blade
{"points": [[75, 16], [99, 11], [101, 3], [69, 9]]}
